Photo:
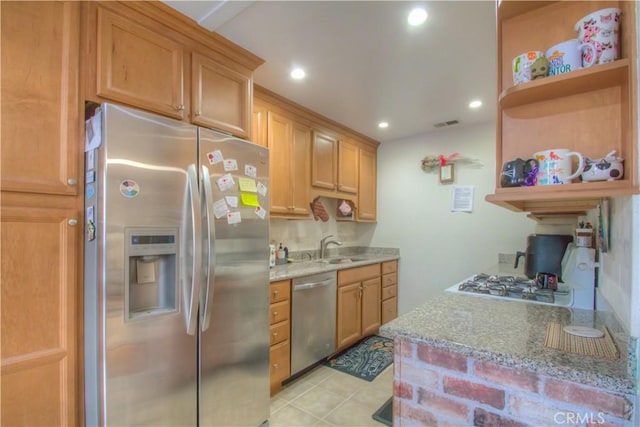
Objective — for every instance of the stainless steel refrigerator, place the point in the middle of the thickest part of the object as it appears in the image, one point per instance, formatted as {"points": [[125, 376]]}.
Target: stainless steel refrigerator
{"points": [[176, 274]]}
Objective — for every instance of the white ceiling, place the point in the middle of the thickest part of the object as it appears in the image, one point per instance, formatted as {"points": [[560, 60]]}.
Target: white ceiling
{"points": [[363, 63]]}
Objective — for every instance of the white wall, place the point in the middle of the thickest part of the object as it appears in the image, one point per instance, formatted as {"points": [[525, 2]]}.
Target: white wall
{"points": [[438, 248]]}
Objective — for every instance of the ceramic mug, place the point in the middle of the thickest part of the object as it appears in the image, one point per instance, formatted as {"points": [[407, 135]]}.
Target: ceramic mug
{"points": [[602, 30], [568, 56], [554, 166], [521, 66]]}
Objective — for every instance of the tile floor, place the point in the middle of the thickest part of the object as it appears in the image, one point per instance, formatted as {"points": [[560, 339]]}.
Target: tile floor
{"points": [[326, 397]]}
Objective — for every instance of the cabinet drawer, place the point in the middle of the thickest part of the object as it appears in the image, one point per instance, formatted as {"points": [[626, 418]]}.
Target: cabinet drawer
{"points": [[279, 332], [389, 310], [389, 292], [278, 312], [279, 291], [358, 274], [389, 267], [279, 363], [389, 279]]}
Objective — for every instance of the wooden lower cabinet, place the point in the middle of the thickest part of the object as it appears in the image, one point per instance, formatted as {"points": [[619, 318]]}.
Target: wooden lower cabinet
{"points": [[358, 305], [39, 309], [279, 333], [389, 291]]}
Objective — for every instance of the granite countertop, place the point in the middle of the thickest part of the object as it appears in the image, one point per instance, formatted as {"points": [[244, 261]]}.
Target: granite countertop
{"points": [[512, 333], [362, 256]]}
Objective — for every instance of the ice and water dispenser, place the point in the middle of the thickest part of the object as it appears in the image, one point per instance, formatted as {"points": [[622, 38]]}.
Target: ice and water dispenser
{"points": [[151, 279]]}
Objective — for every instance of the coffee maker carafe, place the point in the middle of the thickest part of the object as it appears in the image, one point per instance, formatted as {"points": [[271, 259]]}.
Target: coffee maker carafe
{"points": [[544, 254]]}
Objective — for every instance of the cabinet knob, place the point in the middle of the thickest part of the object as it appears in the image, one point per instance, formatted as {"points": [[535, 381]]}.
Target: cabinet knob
{"points": [[197, 113], [72, 221], [275, 313], [275, 366], [275, 334], [275, 293], [180, 107], [72, 181]]}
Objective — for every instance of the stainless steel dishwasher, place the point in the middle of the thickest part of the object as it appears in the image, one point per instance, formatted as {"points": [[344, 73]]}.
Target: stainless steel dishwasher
{"points": [[313, 325]]}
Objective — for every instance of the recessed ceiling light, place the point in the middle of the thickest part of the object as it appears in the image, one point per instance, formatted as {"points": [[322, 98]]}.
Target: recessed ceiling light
{"points": [[417, 16], [475, 104], [298, 73], [383, 125]]}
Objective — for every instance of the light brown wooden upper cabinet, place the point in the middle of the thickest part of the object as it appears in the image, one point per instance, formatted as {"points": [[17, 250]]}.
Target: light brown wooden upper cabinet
{"points": [[324, 161], [259, 125], [221, 96], [592, 110], [367, 184], [40, 46], [347, 167], [289, 156], [138, 66]]}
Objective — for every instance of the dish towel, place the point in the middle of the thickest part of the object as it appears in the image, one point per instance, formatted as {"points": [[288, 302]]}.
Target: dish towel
{"points": [[604, 348]]}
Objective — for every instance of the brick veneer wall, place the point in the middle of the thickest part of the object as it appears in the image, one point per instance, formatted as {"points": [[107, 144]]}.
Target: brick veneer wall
{"points": [[435, 387]]}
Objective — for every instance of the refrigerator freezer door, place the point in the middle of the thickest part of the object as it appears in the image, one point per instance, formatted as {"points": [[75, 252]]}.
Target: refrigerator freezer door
{"points": [[234, 356], [147, 363]]}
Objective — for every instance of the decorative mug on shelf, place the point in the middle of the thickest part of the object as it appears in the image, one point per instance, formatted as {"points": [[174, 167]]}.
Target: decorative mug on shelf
{"points": [[568, 56], [554, 166], [601, 29], [521, 66]]}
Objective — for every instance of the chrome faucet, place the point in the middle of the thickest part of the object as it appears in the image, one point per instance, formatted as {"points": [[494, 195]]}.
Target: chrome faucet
{"points": [[324, 244]]}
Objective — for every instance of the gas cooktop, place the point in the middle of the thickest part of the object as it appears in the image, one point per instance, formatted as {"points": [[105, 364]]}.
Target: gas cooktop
{"points": [[512, 287]]}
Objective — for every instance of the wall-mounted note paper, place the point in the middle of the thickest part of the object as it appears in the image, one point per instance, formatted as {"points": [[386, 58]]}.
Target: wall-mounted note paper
{"points": [[230, 165], [462, 198], [249, 199], [225, 182], [232, 201], [247, 184], [262, 189], [250, 170], [261, 212], [215, 157], [220, 208], [234, 218]]}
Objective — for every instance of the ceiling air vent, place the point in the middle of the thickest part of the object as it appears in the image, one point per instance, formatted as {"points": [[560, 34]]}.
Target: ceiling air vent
{"points": [[447, 123]]}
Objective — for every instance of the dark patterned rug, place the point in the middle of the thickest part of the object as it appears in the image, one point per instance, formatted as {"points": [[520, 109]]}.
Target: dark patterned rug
{"points": [[366, 359]]}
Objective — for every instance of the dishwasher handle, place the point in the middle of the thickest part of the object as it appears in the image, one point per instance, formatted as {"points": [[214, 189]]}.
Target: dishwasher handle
{"points": [[304, 286]]}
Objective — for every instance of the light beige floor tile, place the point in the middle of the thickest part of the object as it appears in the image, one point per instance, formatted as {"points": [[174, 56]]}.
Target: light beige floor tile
{"points": [[295, 389], [343, 384], [371, 397], [384, 381], [290, 416], [352, 414], [276, 403], [318, 401], [323, 423], [319, 374]]}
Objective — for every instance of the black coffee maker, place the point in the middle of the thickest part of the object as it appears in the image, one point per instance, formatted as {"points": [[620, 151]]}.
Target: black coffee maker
{"points": [[544, 254]]}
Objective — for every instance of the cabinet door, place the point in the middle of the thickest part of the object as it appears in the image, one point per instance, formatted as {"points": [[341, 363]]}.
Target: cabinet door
{"points": [[39, 339], [324, 161], [40, 128], [367, 186], [279, 135], [349, 315], [370, 306], [138, 66], [300, 169], [259, 126], [347, 167], [221, 96], [280, 364]]}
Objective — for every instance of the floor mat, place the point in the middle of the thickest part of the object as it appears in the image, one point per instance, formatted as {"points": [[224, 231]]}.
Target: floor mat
{"points": [[385, 413], [365, 359]]}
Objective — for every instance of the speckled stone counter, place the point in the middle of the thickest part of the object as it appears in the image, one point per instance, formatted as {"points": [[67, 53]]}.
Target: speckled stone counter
{"points": [[303, 267], [454, 345]]}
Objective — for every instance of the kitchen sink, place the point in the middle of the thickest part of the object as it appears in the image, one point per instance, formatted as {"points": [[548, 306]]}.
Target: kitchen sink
{"points": [[344, 260]]}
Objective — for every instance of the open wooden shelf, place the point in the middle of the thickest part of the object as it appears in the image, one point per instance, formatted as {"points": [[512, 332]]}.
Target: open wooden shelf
{"points": [[510, 8], [579, 81]]}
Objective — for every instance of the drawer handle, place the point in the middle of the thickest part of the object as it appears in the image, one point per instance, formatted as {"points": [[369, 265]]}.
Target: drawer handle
{"points": [[275, 313], [275, 366], [275, 334], [275, 293], [180, 107]]}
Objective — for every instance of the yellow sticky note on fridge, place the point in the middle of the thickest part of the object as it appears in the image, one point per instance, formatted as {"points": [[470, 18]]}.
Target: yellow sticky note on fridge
{"points": [[249, 199], [247, 184]]}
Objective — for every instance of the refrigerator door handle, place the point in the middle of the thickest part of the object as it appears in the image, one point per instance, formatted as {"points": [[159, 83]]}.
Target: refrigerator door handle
{"points": [[192, 294], [207, 298]]}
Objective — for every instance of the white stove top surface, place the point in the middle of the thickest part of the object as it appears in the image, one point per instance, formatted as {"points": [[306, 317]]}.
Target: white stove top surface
{"points": [[512, 288]]}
